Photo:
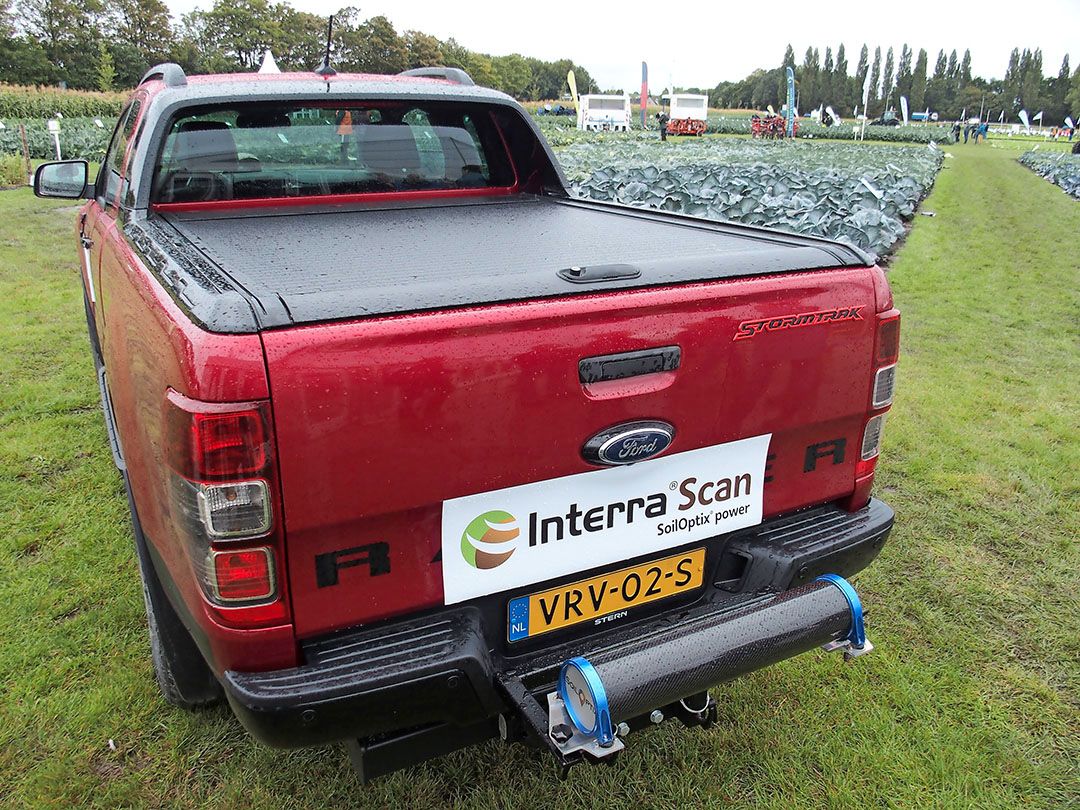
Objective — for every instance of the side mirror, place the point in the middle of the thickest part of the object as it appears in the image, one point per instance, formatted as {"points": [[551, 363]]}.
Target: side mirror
{"points": [[66, 179]]}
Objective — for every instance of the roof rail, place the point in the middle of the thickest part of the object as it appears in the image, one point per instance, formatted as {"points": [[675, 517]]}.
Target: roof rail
{"points": [[169, 72], [450, 74]]}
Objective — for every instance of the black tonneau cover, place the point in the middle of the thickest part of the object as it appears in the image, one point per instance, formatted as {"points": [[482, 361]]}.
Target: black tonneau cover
{"points": [[308, 265]]}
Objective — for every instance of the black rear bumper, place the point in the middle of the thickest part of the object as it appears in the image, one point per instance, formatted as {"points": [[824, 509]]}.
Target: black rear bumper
{"points": [[440, 668]]}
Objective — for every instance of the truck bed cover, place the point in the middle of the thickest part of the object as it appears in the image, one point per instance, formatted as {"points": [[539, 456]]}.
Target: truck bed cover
{"points": [[316, 264]]}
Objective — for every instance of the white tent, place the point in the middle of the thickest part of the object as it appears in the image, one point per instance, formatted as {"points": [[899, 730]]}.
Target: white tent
{"points": [[268, 64]]}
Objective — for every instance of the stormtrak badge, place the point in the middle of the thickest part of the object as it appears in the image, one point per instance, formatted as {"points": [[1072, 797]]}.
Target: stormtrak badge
{"points": [[508, 538], [749, 329]]}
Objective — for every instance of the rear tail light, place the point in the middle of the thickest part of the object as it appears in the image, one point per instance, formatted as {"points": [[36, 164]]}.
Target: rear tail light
{"points": [[886, 353], [211, 441], [884, 386], [224, 499], [241, 575], [871, 440], [235, 510], [888, 340]]}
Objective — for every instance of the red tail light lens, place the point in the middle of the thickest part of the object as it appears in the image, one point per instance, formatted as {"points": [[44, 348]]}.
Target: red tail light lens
{"points": [[243, 575], [214, 442], [888, 340], [232, 444]]}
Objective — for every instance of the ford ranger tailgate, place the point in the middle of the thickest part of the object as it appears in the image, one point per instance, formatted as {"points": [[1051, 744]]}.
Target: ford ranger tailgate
{"points": [[382, 421]]}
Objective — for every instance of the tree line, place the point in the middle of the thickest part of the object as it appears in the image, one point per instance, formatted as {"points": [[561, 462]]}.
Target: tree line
{"points": [[109, 44], [948, 88]]}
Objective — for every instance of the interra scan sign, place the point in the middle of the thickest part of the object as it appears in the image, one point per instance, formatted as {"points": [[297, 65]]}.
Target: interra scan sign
{"points": [[499, 540]]}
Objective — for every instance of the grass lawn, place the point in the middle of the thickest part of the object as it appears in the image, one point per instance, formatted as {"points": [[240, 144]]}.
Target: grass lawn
{"points": [[971, 699]]}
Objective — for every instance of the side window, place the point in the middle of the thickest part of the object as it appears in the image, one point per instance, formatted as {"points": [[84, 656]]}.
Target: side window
{"points": [[134, 120], [110, 177]]}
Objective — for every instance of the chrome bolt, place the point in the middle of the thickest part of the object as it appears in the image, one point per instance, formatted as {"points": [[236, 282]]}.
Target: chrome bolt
{"points": [[657, 716], [622, 730]]}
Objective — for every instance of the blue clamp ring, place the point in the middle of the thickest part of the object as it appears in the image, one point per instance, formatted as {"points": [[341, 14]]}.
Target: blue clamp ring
{"points": [[857, 634], [602, 730]]}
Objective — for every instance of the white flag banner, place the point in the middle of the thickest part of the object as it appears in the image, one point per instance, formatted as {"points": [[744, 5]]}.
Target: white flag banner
{"points": [[1038, 116], [904, 109], [1024, 119], [1069, 122]]}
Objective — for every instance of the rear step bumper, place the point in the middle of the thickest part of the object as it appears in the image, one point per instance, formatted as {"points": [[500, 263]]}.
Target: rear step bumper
{"points": [[438, 670]]}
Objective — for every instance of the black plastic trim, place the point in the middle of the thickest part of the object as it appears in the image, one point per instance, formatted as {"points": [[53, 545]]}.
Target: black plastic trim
{"points": [[397, 676], [169, 72], [598, 273], [628, 364], [449, 74]]}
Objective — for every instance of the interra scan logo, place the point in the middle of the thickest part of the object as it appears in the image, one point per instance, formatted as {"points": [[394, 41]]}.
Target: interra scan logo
{"points": [[489, 540]]}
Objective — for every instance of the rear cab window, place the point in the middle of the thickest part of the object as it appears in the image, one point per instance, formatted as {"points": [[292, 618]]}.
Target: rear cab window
{"points": [[298, 150]]}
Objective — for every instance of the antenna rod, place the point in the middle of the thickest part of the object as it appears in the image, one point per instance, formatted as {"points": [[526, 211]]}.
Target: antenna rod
{"points": [[324, 69]]}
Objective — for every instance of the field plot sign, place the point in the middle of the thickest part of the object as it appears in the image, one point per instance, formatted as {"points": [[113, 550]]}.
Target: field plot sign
{"points": [[54, 130]]}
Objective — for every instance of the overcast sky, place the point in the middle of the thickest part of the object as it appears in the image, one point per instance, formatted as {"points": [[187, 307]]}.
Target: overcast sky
{"points": [[700, 46]]}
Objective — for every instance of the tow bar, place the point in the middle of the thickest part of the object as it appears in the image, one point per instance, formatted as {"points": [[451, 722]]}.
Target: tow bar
{"points": [[598, 701]]}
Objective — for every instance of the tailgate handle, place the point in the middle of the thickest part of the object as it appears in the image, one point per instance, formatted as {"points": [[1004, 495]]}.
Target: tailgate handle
{"points": [[598, 273], [628, 364]]}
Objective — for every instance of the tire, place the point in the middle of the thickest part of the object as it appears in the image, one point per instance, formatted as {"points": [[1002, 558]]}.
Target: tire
{"points": [[181, 672]]}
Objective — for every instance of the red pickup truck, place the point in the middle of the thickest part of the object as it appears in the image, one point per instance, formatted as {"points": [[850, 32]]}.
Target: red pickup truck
{"points": [[420, 450]]}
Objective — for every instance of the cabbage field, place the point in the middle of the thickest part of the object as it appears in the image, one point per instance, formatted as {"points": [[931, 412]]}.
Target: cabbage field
{"points": [[562, 129], [858, 193], [79, 138], [1061, 168], [862, 194]]}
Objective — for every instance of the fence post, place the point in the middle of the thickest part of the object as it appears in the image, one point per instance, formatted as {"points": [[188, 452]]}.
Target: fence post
{"points": [[26, 156]]}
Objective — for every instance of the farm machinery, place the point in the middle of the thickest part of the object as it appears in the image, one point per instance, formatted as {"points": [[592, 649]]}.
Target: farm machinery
{"points": [[604, 113], [771, 126], [688, 114]]}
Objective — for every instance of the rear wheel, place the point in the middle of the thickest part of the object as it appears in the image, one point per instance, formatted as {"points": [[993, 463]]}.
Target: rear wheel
{"points": [[181, 672]]}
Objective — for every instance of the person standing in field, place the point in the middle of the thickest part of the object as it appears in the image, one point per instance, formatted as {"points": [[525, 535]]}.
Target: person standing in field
{"points": [[956, 132], [984, 130]]}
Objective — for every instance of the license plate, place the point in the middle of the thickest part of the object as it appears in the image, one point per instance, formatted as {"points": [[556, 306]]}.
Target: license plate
{"points": [[604, 596]]}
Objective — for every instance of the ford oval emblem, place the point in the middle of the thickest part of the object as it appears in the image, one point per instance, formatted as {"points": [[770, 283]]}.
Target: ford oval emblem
{"points": [[629, 442]]}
